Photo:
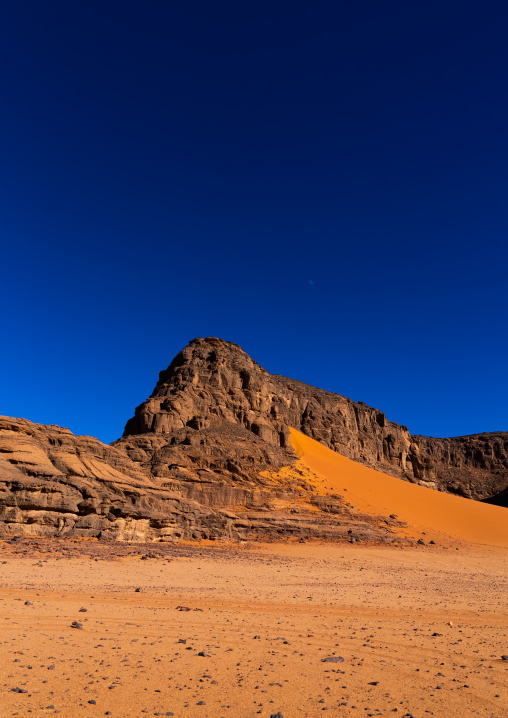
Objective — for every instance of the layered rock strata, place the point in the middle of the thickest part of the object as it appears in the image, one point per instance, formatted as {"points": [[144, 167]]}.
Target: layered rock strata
{"points": [[53, 483], [201, 459]]}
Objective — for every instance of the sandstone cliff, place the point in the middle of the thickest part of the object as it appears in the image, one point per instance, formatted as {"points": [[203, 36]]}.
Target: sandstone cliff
{"points": [[201, 459], [53, 483], [213, 384]]}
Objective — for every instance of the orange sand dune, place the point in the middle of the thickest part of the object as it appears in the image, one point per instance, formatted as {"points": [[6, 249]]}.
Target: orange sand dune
{"points": [[424, 510]]}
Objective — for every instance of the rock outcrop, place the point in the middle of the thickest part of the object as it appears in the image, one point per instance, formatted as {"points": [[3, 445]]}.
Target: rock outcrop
{"points": [[214, 385], [53, 483], [201, 459]]}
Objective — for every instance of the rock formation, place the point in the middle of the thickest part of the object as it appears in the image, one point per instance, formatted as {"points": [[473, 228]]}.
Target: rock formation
{"points": [[53, 483], [215, 385], [200, 458]]}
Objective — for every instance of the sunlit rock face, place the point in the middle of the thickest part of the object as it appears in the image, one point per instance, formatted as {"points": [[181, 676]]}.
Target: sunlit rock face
{"points": [[208, 455], [214, 385]]}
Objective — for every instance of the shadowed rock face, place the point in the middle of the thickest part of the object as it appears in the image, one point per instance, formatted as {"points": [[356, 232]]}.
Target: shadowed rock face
{"points": [[500, 499], [213, 384], [199, 459]]}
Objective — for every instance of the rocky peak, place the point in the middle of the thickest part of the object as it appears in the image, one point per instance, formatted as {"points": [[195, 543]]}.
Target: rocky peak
{"points": [[212, 381], [209, 381], [213, 384]]}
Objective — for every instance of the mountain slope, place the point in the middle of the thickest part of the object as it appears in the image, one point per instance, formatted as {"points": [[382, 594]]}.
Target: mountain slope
{"points": [[53, 483], [211, 454], [215, 385], [427, 515]]}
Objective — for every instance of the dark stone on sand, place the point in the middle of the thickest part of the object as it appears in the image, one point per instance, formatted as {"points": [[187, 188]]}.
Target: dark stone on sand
{"points": [[333, 659]]}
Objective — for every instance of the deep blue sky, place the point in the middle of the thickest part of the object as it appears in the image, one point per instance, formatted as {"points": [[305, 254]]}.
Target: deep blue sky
{"points": [[323, 183]]}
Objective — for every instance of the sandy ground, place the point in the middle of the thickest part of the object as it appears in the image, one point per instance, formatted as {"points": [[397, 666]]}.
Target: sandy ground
{"points": [[218, 631], [428, 513], [414, 632]]}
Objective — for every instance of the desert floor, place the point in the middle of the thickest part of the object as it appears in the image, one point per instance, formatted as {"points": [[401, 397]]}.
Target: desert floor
{"points": [[414, 631]]}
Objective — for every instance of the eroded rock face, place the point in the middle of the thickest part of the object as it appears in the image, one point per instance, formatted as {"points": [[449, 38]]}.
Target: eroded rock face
{"points": [[472, 466], [200, 459], [213, 384], [53, 483]]}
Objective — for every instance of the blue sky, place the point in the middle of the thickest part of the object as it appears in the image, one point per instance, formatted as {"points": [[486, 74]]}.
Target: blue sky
{"points": [[323, 183]]}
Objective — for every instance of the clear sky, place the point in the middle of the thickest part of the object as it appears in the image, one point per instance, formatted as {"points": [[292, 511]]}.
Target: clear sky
{"points": [[323, 183]]}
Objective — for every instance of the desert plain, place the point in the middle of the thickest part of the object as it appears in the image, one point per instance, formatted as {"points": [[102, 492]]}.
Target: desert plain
{"points": [[238, 630], [294, 629]]}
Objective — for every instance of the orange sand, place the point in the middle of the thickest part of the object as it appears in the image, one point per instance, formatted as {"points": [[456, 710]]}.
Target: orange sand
{"points": [[425, 510], [421, 631]]}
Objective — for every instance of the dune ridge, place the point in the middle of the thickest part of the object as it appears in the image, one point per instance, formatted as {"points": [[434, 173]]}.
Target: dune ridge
{"points": [[424, 510]]}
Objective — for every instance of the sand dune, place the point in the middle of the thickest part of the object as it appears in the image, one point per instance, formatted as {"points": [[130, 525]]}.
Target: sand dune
{"points": [[426, 511]]}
